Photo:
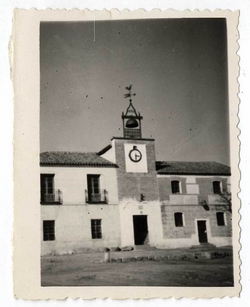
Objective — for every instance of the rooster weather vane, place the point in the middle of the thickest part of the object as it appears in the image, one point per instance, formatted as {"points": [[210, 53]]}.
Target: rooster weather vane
{"points": [[129, 94]]}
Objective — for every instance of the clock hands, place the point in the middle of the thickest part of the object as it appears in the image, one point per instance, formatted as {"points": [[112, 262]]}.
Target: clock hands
{"points": [[135, 155]]}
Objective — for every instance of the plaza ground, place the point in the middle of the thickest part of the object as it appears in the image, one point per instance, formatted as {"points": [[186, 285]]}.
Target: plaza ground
{"points": [[86, 270]]}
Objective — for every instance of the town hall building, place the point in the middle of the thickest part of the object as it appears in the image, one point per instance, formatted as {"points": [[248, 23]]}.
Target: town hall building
{"points": [[121, 196]]}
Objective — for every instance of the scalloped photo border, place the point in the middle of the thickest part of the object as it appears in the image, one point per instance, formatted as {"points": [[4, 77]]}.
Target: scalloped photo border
{"points": [[24, 58]]}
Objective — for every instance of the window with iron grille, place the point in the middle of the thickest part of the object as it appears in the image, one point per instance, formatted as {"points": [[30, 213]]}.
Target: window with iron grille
{"points": [[96, 229], [175, 185], [48, 230], [220, 219], [178, 219], [217, 187]]}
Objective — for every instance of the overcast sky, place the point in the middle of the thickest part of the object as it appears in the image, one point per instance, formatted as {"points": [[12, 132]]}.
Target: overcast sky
{"points": [[178, 68]]}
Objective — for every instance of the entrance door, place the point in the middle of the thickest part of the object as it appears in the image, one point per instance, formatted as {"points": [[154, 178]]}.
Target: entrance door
{"points": [[140, 229], [202, 231]]}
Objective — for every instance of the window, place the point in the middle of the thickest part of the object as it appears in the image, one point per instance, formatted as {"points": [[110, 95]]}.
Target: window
{"points": [[220, 219], [175, 185], [94, 183], [94, 193], [217, 187], [96, 229], [48, 230], [178, 219], [47, 187]]}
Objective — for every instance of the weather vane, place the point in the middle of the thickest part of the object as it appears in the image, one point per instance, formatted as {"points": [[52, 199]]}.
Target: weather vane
{"points": [[129, 94]]}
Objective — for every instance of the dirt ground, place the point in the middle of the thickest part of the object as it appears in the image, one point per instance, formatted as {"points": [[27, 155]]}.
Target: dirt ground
{"points": [[81, 270]]}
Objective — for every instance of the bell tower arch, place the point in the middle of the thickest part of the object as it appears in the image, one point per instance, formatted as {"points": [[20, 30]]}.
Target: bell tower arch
{"points": [[131, 119]]}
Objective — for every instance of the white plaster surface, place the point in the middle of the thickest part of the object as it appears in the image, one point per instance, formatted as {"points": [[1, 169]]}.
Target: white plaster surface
{"points": [[110, 154], [190, 179], [72, 181], [192, 189], [130, 207], [73, 227]]}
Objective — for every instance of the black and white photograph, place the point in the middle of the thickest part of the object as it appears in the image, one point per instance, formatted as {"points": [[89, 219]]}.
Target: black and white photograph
{"points": [[135, 167]]}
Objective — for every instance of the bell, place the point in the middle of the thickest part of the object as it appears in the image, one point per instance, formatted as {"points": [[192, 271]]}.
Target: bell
{"points": [[132, 123]]}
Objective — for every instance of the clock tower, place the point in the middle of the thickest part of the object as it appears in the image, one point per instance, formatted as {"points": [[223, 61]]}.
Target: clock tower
{"points": [[135, 157], [137, 184]]}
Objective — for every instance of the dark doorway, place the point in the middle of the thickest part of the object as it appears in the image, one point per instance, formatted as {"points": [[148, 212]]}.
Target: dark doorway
{"points": [[202, 231], [140, 229]]}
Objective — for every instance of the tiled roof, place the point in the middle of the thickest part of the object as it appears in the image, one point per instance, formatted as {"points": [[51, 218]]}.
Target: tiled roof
{"points": [[66, 158], [192, 168]]}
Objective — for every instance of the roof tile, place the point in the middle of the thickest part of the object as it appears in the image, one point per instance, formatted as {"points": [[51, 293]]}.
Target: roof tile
{"points": [[66, 158], [192, 168]]}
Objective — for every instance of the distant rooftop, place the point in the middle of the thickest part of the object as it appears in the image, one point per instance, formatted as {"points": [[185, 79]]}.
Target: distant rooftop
{"points": [[192, 168], [66, 158]]}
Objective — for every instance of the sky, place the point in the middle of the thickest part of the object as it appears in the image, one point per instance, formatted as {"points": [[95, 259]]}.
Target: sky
{"points": [[178, 69]]}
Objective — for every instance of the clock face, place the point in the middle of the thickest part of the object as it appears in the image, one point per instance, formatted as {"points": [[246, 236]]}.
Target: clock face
{"points": [[135, 155]]}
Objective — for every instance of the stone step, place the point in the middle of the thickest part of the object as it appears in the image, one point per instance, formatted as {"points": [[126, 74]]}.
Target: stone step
{"points": [[185, 256], [203, 246], [144, 247]]}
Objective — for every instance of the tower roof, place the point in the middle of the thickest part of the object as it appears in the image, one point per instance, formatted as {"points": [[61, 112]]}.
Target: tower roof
{"points": [[131, 112]]}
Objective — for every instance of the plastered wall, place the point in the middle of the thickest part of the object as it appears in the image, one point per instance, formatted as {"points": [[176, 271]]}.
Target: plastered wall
{"points": [[73, 227], [72, 181]]}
